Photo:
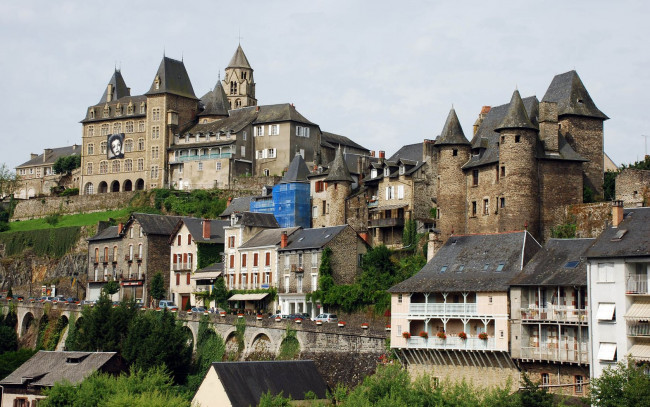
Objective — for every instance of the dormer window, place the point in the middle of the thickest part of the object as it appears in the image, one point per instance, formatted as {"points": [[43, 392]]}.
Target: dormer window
{"points": [[107, 111], [143, 108], [156, 83], [386, 172], [118, 110], [129, 109], [91, 113], [373, 173], [402, 170]]}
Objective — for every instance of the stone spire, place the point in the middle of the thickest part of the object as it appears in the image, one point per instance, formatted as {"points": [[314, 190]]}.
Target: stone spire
{"points": [[338, 171], [239, 60], [516, 117], [452, 133]]}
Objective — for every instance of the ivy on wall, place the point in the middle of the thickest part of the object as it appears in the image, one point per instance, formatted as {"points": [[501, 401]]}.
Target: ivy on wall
{"points": [[48, 242], [207, 254]]}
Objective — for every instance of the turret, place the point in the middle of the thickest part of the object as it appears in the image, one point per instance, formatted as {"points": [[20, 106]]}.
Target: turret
{"points": [[453, 151], [518, 205], [339, 182], [238, 82]]}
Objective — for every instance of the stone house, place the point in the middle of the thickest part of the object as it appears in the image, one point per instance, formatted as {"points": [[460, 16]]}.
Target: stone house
{"points": [[37, 177], [618, 270], [458, 304], [549, 309], [25, 386], [194, 244], [131, 253], [299, 258]]}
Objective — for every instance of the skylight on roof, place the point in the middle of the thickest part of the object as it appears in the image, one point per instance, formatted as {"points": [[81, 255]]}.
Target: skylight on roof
{"points": [[487, 265], [572, 264], [461, 268], [326, 236], [443, 269], [619, 234], [500, 266], [300, 240]]}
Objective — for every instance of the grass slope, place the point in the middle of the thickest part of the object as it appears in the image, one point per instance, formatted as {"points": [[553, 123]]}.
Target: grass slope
{"points": [[83, 219]]}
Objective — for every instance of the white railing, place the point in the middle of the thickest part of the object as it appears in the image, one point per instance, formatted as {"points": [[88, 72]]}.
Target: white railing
{"points": [[442, 308], [182, 266], [555, 313], [641, 329], [455, 343], [551, 353], [637, 284]]}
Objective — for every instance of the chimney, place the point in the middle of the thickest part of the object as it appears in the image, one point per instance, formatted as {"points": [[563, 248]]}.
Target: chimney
{"points": [[109, 93], [120, 227], [548, 125], [283, 240], [484, 111], [128, 91], [617, 213], [32, 156], [364, 236], [46, 153], [433, 245], [372, 153], [382, 154], [229, 201], [257, 108], [206, 229], [427, 149]]}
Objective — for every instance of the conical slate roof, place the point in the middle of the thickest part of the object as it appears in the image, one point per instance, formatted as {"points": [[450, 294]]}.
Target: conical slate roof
{"points": [[297, 171], [173, 79], [571, 96], [516, 117], [452, 133], [119, 88], [338, 171], [215, 102], [239, 60]]}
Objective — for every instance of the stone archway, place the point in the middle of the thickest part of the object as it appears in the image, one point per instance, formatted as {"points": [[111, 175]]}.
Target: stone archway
{"points": [[139, 184], [261, 347], [102, 188], [115, 186], [127, 186], [232, 346], [191, 339], [25, 324]]}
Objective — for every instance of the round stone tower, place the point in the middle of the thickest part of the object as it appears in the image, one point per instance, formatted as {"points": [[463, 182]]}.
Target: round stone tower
{"points": [[519, 202], [453, 151], [339, 186]]}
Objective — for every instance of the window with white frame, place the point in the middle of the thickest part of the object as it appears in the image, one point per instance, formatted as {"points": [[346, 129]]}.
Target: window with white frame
{"points": [[243, 151], [390, 192], [300, 260], [103, 167], [218, 166], [287, 261], [274, 129], [314, 282], [255, 280], [271, 152], [314, 260], [302, 153], [154, 152], [104, 130], [102, 147], [606, 312], [117, 128], [129, 126], [89, 169], [400, 192], [302, 131], [155, 132], [314, 212], [386, 171], [140, 144], [128, 145], [267, 278], [140, 164], [286, 284], [266, 172], [299, 283], [373, 173], [116, 166], [154, 172], [244, 135], [143, 108], [402, 169], [259, 131], [141, 125], [605, 272]]}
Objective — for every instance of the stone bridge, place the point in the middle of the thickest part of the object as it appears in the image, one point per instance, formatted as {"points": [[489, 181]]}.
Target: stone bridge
{"points": [[260, 336]]}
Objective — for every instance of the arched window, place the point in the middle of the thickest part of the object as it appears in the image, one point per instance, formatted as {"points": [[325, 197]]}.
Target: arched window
{"points": [[96, 254], [140, 251], [131, 249], [89, 189], [233, 87]]}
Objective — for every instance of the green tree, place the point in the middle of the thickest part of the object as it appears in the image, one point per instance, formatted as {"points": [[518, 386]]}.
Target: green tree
{"points": [[157, 287], [8, 339], [532, 395], [8, 181], [624, 384], [210, 348], [410, 235], [111, 287], [67, 164], [609, 186], [220, 293]]}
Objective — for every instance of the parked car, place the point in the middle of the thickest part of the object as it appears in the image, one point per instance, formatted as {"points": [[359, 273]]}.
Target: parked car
{"points": [[326, 318], [46, 299], [303, 316], [169, 304], [88, 302], [198, 309], [72, 300], [283, 316]]}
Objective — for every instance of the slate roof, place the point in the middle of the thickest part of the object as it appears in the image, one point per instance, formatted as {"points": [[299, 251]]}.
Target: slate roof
{"points": [[549, 265], [241, 204], [106, 234], [297, 171], [212, 267], [473, 252], [278, 113], [338, 170], [313, 238], [173, 79], [195, 226], [269, 237], [52, 156], [634, 243], [120, 89], [215, 102], [123, 102], [266, 220], [246, 382], [187, 146], [452, 132], [47, 368], [516, 116], [571, 96], [155, 224], [332, 140], [239, 59], [409, 151], [237, 120]]}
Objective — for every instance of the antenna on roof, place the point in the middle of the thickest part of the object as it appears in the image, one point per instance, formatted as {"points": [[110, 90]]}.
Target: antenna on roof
{"points": [[239, 36], [163, 52]]}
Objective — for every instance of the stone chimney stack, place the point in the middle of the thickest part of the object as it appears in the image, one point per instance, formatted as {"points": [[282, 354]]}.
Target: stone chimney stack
{"points": [[206, 228], [548, 125], [372, 153], [428, 149], [109, 93], [484, 111], [120, 227], [433, 245], [617, 213], [229, 201], [32, 156], [284, 240]]}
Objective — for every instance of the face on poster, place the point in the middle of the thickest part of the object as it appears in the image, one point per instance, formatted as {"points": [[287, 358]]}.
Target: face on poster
{"points": [[115, 146]]}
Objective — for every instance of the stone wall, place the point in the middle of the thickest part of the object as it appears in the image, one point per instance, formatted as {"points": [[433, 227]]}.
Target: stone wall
{"points": [[585, 135], [590, 219], [633, 187], [560, 185], [41, 207], [254, 184], [562, 377]]}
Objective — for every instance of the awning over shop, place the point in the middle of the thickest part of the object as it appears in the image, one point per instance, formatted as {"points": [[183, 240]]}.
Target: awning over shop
{"points": [[639, 310], [388, 207], [248, 297], [208, 275]]}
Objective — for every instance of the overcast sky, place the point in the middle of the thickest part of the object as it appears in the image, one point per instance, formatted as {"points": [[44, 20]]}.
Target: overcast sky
{"points": [[384, 73]]}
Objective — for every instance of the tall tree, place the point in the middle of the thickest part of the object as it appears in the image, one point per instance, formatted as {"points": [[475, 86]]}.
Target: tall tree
{"points": [[8, 181], [624, 384], [157, 287]]}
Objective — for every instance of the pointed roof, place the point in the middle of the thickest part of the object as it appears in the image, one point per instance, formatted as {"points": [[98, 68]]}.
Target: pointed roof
{"points": [[338, 171], [297, 172], [215, 102], [173, 79], [119, 88], [239, 60], [571, 96], [516, 117], [452, 133]]}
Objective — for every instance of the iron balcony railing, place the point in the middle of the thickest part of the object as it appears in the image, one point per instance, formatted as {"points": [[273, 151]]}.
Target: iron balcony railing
{"points": [[551, 353], [386, 222], [454, 343], [181, 266], [442, 308], [637, 284], [555, 313]]}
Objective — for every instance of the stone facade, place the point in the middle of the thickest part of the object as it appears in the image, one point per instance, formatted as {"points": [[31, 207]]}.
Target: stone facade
{"points": [[36, 177], [38, 208], [633, 187], [585, 135]]}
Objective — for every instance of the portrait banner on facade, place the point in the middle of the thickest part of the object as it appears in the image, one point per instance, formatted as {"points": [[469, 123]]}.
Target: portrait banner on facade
{"points": [[115, 146]]}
